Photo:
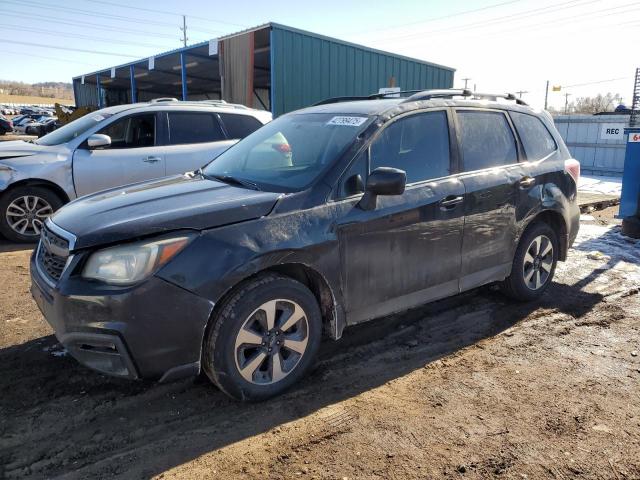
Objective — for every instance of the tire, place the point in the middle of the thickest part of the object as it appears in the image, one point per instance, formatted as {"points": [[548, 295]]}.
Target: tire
{"points": [[532, 270], [241, 354], [46, 202]]}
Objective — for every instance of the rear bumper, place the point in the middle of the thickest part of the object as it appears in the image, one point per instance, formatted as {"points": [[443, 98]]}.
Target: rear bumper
{"points": [[153, 330]]}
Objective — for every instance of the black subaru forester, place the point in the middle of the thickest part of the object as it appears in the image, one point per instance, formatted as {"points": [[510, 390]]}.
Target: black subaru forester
{"points": [[326, 217]]}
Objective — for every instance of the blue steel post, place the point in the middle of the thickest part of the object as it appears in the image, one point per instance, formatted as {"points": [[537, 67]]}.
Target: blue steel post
{"points": [[134, 88], [630, 198], [98, 87], [272, 75], [183, 69]]}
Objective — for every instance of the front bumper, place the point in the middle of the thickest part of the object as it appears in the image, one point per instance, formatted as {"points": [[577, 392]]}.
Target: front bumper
{"points": [[152, 330]]}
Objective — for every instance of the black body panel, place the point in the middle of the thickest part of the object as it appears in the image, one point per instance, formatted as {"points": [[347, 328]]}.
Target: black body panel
{"points": [[173, 203]]}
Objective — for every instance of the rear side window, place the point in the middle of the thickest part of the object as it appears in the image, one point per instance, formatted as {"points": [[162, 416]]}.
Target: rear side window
{"points": [[239, 126], [487, 140], [536, 139], [188, 127], [418, 144]]}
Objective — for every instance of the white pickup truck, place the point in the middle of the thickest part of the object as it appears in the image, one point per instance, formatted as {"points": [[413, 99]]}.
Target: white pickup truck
{"points": [[109, 148]]}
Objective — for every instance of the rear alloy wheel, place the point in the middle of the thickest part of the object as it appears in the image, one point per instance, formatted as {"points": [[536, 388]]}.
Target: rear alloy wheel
{"points": [[538, 262], [534, 263], [264, 338], [24, 211]]}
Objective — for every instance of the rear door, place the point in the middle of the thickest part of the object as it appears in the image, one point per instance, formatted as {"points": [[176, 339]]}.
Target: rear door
{"points": [[193, 139], [407, 250], [134, 155], [490, 173]]}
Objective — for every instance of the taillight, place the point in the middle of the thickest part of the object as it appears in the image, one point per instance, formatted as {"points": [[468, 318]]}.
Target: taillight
{"points": [[572, 167], [282, 147]]}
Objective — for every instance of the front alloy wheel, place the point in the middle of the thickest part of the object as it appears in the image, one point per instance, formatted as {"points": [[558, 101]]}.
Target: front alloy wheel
{"points": [[23, 211], [271, 342], [264, 337], [26, 215]]}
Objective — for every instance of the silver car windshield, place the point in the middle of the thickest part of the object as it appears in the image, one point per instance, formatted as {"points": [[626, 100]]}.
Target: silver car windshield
{"points": [[72, 130], [288, 154]]}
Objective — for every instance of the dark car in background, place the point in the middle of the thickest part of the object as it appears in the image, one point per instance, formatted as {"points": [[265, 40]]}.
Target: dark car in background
{"points": [[324, 218], [6, 125]]}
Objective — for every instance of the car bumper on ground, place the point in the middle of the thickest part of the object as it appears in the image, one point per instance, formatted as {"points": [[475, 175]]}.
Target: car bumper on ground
{"points": [[152, 330]]}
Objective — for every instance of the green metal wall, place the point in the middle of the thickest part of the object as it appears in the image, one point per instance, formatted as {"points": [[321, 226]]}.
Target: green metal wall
{"points": [[307, 68]]}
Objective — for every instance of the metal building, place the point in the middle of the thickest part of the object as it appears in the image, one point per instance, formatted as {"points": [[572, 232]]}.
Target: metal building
{"points": [[597, 141], [272, 67]]}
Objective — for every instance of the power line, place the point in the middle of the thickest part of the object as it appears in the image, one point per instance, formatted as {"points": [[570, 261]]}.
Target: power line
{"points": [[165, 12], [434, 19], [79, 36], [93, 14], [96, 26], [69, 49], [571, 19], [57, 59], [524, 14]]}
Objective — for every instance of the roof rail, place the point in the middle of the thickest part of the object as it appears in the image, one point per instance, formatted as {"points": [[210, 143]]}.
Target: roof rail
{"points": [[448, 93], [163, 99], [426, 95]]}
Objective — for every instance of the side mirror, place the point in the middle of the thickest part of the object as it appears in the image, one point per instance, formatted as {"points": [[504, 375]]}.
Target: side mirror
{"points": [[382, 181], [98, 140]]}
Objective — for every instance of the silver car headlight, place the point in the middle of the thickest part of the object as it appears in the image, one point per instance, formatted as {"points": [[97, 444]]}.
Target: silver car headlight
{"points": [[131, 263]]}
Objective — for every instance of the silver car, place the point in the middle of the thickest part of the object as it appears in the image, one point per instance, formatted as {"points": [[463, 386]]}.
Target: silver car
{"points": [[109, 148]]}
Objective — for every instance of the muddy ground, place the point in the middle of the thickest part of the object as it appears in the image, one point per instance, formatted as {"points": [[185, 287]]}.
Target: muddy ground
{"points": [[471, 387]]}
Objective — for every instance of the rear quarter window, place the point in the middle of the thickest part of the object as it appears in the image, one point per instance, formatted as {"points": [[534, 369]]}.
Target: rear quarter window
{"points": [[534, 135]]}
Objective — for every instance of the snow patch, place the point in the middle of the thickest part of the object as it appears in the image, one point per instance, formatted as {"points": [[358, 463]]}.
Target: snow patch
{"points": [[603, 185]]}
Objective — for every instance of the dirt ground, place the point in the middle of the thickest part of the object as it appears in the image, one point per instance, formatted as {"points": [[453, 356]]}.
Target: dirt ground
{"points": [[471, 387]]}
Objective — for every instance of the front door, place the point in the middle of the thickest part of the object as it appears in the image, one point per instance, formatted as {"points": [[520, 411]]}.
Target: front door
{"points": [[133, 156], [407, 250]]}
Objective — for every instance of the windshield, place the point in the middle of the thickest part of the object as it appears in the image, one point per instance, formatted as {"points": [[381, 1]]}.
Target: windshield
{"points": [[71, 130], [288, 154]]}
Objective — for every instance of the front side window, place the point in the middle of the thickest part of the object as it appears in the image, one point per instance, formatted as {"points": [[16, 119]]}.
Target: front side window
{"points": [[238, 125], [418, 144], [536, 139], [288, 154], [193, 127], [487, 140], [132, 132]]}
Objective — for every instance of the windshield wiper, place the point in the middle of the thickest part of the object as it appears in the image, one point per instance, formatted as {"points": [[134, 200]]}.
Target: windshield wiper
{"points": [[230, 179]]}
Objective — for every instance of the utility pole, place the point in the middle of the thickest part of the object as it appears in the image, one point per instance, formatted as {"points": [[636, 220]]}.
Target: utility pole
{"points": [[465, 80], [184, 30], [566, 103], [546, 95], [521, 92]]}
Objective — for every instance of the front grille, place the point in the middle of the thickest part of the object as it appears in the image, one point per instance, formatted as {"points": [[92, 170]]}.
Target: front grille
{"points": [[53, 252]]}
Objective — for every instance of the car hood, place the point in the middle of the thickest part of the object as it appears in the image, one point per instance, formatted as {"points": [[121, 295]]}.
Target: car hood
{"points": [[19, 148], [186, 201]]}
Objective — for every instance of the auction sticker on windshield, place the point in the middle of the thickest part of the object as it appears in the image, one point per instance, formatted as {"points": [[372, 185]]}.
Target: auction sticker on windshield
{"points": [[347, 121], [98, 118]]}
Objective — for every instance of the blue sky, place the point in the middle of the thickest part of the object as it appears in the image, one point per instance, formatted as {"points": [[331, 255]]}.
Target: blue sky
{"points": [[587, 46]]}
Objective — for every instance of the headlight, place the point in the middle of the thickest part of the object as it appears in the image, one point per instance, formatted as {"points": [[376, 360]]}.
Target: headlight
{"points": [[128, 264]]}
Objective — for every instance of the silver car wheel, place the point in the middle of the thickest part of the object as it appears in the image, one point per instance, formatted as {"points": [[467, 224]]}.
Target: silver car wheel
{"points": [[26, 215], [271, 342], [538, 262]]}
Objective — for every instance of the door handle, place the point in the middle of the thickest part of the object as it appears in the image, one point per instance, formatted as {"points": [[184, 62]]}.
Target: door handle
{"points": [[151, 160], [526, 182], [450, 202]]}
